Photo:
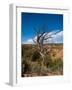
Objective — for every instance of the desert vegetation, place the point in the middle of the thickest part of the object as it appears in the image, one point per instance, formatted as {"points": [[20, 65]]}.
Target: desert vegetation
{"points": [[42, 58], [33, 64]]}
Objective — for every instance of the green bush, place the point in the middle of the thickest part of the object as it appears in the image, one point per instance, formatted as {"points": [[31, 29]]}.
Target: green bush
{"points": [[56, 65]]}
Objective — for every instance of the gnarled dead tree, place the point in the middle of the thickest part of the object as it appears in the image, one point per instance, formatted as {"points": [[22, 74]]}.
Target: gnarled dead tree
{"points": [[42, 35]]}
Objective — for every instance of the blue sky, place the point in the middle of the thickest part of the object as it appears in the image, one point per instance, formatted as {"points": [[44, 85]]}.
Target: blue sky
{"points": [[53, 22]]}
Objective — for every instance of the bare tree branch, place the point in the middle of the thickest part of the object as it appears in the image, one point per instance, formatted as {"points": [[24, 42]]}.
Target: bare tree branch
{"points": [[43, 35], [47, 38], [34, 41], [54, 33]]}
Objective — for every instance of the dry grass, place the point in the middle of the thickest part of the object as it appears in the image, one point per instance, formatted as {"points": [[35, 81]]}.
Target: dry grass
{"points": [[32, 61]]}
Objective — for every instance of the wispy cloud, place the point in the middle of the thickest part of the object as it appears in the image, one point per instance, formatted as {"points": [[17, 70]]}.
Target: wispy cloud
{"points": [[56, 38]]}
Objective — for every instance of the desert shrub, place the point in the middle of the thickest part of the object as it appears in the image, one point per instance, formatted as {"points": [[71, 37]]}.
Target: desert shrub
{"points": [[38, 69], [36, 55], [56, 65], [26, 50], [35, 68], [25, 66], [53, 65], [47, 60], [43, 71]]}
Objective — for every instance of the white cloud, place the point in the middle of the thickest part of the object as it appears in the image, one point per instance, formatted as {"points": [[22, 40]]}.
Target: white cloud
{"points": [[56, 38], [29, 41]]}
